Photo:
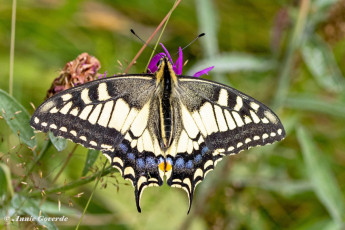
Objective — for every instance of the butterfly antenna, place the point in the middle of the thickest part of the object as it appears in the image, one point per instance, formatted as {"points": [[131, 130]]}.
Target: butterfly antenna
{"points": [[197, 37], [132, 31]]}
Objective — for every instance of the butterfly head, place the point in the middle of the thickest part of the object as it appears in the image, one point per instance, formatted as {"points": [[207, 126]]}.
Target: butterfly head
{"points": [[165, 70], [164, 61]]}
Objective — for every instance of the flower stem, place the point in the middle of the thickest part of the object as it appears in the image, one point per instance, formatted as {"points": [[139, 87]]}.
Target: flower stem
{"points": [[65, 164], [90, 198], [161, 34], [152, 35], [295, 41], [77, 183], [46, 145]]}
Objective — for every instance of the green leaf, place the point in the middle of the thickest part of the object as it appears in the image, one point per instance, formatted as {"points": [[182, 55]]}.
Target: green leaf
{"points": [[6, 189], [318, 223], [234, 62], [17, 118], [320, 60], [320, 12], [320, 174], [207, 20], [310, 103], [324, 4], [91, 158], [29, 207], [59, 142], [284, 187]]}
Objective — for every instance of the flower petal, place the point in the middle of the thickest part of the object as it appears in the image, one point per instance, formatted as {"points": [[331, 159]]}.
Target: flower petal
{"points": [[167, 53], [204, 71], [179, 63], [153, 63]]}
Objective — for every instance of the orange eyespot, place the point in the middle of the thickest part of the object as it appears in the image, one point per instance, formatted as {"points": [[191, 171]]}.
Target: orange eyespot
{"points": [[165, 167], [168, 167], [162, 166]]}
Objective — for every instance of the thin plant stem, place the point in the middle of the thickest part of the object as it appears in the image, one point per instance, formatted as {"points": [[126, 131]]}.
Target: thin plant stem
{"points": [[65, 163], [61, 170], [284, 77], [77, 183], [152, 35], [90, 198], [36, 160], [161, 34], [13, 34]]}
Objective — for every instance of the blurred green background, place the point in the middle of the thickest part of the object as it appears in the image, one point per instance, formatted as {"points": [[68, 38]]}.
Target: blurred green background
{"points": [[288, 54]]}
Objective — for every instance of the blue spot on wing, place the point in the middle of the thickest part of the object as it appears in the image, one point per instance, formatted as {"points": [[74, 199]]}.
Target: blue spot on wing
{"points": [[169, 160], [179, 163], [204, 150], [189, 164], [123, 147], [151, 162], [140, 163], [131, 156], [197, 158]]}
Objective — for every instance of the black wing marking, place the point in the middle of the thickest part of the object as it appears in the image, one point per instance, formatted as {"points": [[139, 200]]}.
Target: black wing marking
{"points": [[214, 120], [112, 115]]}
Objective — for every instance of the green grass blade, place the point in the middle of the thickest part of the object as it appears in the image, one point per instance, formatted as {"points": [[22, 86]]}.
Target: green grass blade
{"points": [[320, 174], [320, 60], [317, 223], [295, 40], [208, 24], [91, 158], [59, 142], [207, 20], [90, 198], [6, 189], [3, 184], [321, 12], [324, 4], [13, 38], [17, 118], [310, 103], [161, 33]]}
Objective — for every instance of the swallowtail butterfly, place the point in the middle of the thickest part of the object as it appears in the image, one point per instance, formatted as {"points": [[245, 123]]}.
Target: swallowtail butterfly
{"points": [[152, 126]]}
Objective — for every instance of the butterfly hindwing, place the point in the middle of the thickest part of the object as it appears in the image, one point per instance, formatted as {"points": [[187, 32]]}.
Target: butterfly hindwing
{"points": [[214, 120], [141, 168]]}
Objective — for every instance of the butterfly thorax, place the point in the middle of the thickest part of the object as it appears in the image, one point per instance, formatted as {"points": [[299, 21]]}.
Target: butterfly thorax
{"points": [[166, 78]]}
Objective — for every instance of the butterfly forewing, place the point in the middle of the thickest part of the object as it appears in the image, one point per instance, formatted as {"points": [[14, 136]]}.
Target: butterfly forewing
{"points": [[232, 120]]}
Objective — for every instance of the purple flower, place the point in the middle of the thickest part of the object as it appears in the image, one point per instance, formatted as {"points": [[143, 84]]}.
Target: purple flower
{"points": [[202, 72], [101, 75], [177, 66]]}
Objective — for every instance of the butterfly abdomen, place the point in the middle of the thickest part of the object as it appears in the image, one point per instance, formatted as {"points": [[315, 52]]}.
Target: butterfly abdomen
{"points": [[166, 109]]}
